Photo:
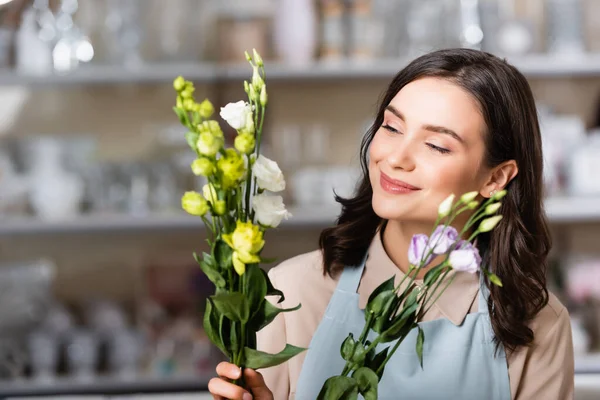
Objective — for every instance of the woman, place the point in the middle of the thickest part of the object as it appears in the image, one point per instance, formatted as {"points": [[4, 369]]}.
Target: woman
{"points": [[452, 121]]}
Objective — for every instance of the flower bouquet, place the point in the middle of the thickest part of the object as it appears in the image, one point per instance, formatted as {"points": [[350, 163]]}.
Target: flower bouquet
{"points": [[236, 209], [392, 314]]}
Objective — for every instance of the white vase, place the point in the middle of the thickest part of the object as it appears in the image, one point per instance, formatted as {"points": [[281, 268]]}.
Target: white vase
{"points": [[295, 28], [56, 193]]}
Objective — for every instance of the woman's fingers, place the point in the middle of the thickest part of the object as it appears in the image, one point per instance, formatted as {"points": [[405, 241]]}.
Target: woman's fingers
{"points": [[220, 389], [256, 384], [228, 370]]}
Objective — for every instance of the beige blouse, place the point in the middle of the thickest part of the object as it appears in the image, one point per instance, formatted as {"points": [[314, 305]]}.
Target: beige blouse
{"points": [[545, 370]]}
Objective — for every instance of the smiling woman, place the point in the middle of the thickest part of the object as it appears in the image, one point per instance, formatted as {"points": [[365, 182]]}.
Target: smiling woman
{"points": [[452, 121]]}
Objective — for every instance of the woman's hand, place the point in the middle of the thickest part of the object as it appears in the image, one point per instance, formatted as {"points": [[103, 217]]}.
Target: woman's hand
{"points": [[222, 388]]}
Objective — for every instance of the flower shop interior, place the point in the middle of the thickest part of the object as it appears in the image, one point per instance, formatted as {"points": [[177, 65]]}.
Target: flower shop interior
{"points": [[93, 163]]}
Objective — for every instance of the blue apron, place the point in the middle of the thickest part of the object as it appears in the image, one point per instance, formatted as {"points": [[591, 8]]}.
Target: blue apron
{"points": [[459, 362]]}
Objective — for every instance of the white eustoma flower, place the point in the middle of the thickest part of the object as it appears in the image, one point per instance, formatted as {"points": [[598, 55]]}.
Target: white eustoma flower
{"points": [[268, 175], [446, 206], [236, 114], [270, 210]]}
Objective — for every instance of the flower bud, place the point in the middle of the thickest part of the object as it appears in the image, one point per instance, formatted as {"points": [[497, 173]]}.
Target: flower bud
{"points": [[445, 206], [187, 92], [189, 104], [203, 167], [214, 128], [245, 143], [257, 58], [209, 192], [489, 223], [249, 123], [208, 145], [472, 205], [179, 83], [246, 87], [247, 56], [498, 195], [252, 93], [220, 207], [193, 203], [179, 102], [492, 208], [468, 197], [206, 109], [257, 80], [263, 96]]}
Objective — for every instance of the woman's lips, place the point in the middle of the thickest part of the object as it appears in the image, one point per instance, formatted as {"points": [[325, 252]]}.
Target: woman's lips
{"points": [[395, 186]]}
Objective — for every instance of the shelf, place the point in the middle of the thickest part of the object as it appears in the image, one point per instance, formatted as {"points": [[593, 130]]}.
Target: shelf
{"points": [[302, 217], [559, 210], [532, 66], [102, 386]]}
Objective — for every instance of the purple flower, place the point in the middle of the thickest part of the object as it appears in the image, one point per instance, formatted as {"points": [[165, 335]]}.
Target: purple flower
{"points": [[443, 238], [417, 250], [465, 258]]}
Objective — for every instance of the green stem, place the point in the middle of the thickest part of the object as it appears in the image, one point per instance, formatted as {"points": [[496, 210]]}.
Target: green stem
{"points": [[391, 353], [248, 186], [439, 294]]}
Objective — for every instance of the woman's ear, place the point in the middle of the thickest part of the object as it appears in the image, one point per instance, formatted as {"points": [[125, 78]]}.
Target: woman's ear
{"points": [[499, 177]]}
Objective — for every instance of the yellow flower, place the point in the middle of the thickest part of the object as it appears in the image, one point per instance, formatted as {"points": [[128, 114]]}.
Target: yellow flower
{"points": [[203, 166], [188, 92], [244, 143], [209, 192], [220, 207], [211, 126], [194, 204], [246, 242], [232, 168], [263, 96], [208, 144], [206, 109], [188, 104], [179, 83], [179, 102]]}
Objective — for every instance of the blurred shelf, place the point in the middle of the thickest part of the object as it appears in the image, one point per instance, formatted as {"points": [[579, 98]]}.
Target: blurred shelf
{"points": [[302, 217], [573, 209], [588, 364], [102, 386], [532, 66], [559, 210]]}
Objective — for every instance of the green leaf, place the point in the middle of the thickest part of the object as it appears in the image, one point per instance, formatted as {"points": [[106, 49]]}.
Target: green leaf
{"points": [[223, 253], [181, 115], [347, 348], [234, 338], [211, 326], [339, 388], [232, 305], [271, 291], [385, 286], [376, 361], [267, 314], [402, 324], [494, 279], [192, 139], [380, 303], [211, 272], [367, 382], [257, 359], [382, 322], [420, 341], [433, 274], [255, 286], [224, 327], [359, 356]]}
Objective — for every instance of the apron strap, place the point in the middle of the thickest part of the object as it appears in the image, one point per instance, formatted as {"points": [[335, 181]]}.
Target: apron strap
{"points": [[484, 294], [351, 276]]}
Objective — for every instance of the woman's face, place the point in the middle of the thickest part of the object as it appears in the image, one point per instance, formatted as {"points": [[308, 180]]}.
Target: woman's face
{"points": [[431, 144]]}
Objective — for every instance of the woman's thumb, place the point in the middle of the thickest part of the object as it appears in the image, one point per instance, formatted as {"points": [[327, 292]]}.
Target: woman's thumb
{"points": [[256, 384]]}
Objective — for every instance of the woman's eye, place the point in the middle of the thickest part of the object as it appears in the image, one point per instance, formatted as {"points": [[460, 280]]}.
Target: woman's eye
{"points": [[390, 129], [438, 149]]}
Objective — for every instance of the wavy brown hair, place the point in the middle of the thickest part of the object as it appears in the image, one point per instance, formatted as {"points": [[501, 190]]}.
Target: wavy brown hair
{"points": [[517, 249]]}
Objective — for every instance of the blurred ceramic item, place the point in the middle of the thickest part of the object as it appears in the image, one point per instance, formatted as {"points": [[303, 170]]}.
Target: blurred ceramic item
{"points": [[124, 352], [13, 186], [43, 355], [123, 31], [58, 321], [33, 55], [105, 318], [82, 355], [332, 30], [565, 27], [584, 167], [427, 26], [295, 31], [471, 33], [56, 193]]}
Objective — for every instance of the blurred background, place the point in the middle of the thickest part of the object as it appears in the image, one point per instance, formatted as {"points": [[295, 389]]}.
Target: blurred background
{"points": [[99, 293]]}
